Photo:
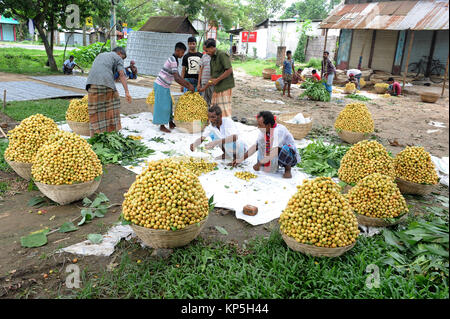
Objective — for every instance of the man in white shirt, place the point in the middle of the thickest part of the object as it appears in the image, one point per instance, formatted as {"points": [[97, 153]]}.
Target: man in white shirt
{"points": [[223, 132], [69, 65], [356, 74], [275, 147]]}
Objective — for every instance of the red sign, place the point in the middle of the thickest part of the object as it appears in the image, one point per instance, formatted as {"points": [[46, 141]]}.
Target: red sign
{"points": [[245, 37]]}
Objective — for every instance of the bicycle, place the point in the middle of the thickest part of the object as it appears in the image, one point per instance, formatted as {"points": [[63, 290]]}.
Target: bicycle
{"points": [[437, 69]]}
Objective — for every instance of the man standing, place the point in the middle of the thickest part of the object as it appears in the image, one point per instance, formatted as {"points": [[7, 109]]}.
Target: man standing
{"points": [[328, 71], [221, 77], [224, 133], [205, 76], [275, 146], [288, 71], [103, 98], [162, 113], [69, 65], [191, 64]]}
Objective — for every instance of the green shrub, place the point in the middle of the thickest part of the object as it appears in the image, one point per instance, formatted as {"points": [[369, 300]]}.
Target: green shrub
{"points": [[315, 63], [84, 56]]}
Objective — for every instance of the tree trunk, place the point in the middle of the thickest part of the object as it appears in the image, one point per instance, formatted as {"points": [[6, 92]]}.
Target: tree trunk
{"points": [[281, 53], [48, 49]]}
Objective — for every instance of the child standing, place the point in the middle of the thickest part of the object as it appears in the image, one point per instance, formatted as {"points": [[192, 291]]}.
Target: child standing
{"points": [[288, 71]]}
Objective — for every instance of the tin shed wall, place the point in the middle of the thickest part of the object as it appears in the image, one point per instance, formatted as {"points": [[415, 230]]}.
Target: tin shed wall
{"points": [[384, 52], [360, 37], [421, 46]]}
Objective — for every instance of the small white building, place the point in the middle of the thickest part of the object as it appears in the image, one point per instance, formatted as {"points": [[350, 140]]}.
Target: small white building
{"points": [[272, 33]]}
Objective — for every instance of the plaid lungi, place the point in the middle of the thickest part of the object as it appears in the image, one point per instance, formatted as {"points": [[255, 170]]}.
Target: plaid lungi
{"points": [[287, 156], [104, 109], [223, 100]]}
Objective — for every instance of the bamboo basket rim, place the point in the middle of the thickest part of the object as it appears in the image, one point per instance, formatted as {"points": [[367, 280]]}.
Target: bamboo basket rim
{"points": [[71, 185], [352, 137], [81, 128], [19, 163], [315, 250], [407, 187], [379, 222], [21, 168]]}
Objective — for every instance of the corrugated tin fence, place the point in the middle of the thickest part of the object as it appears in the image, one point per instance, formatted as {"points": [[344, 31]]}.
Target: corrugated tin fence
{"points": [[151, 49], [316, 44]]}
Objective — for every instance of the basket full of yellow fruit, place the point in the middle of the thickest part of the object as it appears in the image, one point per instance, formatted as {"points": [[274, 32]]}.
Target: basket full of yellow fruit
{"points": [[415, 171], [150, 101], [318, 220], [77, 116], [25, 140], [377, 201], [166, 205], [350, 88], [66, 168], [354, 123], [381, 88], [191, 113]]}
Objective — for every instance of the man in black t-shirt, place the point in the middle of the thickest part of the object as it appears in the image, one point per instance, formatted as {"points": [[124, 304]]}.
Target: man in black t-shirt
{"points": [[191, 64]]}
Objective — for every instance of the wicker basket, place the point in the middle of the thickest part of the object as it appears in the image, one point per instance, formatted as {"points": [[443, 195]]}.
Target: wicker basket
{"points": [[81, 128], [346, 91], [352, 137], [314, 250], [378, 222], [380, 90], [22, 169], [267, 73], [159, 238], [189, 127], [429, 97], [407, 187], [298, 131], [65, 194], [151, 108]]}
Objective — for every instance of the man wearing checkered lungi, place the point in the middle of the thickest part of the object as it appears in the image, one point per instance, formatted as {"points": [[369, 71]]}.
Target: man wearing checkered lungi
{"points": [[103, 98], [221, 77]]}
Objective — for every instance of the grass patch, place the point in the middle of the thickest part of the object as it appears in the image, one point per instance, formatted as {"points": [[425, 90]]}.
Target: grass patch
{"points": [[26, 61], [3, 165], [54, 108], [256, 66], [3, 187], [268, 269]]}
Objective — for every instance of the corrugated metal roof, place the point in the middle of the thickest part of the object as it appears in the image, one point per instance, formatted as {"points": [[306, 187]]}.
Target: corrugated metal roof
{"points": [[169, 25], [6, 20], [398, 15]]}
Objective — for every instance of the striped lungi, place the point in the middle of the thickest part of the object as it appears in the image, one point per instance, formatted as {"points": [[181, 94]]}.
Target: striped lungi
{"points": [[223, 100], [104, 109]]}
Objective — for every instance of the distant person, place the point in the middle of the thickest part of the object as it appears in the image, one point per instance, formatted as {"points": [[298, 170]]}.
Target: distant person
{"points": [[130, 71], [354, 76], [316, 76], [288, 71], [328, 71], [191, 64], [103, 98], [298, 77], [394, 87], [205, 76], [221, 77], [69, 65], [163, 107]]}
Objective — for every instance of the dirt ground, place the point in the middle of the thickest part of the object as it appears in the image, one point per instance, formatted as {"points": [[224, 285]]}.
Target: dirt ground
{"points": [[405, 119]]}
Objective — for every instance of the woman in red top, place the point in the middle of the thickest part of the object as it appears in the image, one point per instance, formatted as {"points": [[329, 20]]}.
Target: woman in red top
{"points": [[316, 76], [394, 87]]}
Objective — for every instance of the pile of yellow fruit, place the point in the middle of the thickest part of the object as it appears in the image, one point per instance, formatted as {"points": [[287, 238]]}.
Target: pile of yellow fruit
{"points": [[382, 85], [151, 99], [363, 159], [318, 214], [27, 137], [362, 83], [246, 176], [355, 117], [66, 158], [377, 196], [191, 107], [414, 164], [350, 87], [198, 166], [386, 95], [136, 138], [165, 196], [78, 110]]}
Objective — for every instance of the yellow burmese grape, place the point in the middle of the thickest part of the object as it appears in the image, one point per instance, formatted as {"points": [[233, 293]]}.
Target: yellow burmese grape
{"points": [[355, 117], [151, 99], [78, 110], [382, 85], [377, 196], [66, 158], [27, 137], [414, 164], [198, 166], [166, 196], [350, 87], [318, 214], [245, 175], [191, 107], [363, 159]]}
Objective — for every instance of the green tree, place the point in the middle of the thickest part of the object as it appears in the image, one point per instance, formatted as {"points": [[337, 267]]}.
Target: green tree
{"points": [[48, 14], [299, 53], [310, 9]]}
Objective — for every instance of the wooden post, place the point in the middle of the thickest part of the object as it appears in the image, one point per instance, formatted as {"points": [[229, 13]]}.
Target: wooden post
{"points": [[4, 100], [445, 77], [407, 59], [326, 37]]}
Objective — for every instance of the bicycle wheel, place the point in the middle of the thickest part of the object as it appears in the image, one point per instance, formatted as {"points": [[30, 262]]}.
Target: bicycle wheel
{"points": [[414, 68], [437, 74]]}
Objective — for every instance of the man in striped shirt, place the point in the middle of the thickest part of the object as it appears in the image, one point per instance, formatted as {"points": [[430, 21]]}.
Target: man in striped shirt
{"points": [[162, 113]]}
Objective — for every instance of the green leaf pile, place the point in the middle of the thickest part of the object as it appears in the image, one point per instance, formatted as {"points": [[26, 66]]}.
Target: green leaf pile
{"points": [[114, 148], [316, 91], [318, 159]]}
